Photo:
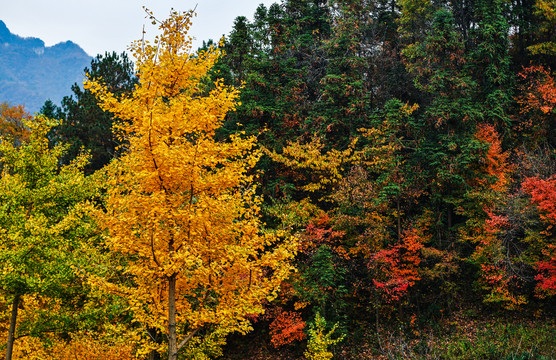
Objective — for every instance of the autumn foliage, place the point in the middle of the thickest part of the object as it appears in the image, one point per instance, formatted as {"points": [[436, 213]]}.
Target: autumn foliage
{"points": [[397, 267], [537, 100], [180, 204], [547, 273], [495, 164], [12, 122], [286, 328], [539, 90], [543, 196], [336, 175]]}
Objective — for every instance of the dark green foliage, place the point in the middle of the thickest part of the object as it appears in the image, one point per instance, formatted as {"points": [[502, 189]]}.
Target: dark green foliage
{"points": [[51, 111], [491, 61], [322, 271], [425, 78], [85, 126]]}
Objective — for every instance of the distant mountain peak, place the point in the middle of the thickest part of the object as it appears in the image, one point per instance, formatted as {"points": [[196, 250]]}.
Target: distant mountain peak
{"points": [[5, 33], [7, 37], [67, 46], [31, 73]]}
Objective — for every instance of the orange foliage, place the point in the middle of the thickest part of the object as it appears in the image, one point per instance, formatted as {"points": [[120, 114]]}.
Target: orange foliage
{"points": [[496, 162], [495, 223], [537, 99], [11, 122], [547, 273], [497, 281], [543, 194], [286, 328], [318, 232], [495, 275], [398, 266], [539, 91], [82, 347]]}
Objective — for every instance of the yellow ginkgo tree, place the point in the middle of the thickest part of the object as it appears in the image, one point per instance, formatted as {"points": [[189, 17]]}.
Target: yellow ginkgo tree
{"points": [[180, 204]]}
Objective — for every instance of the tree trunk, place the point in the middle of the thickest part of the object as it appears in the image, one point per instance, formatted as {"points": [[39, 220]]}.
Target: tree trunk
{"points": [[172, 337], [154, 355], [11, 331], [155, 336], [399, 220], [450, 224]]}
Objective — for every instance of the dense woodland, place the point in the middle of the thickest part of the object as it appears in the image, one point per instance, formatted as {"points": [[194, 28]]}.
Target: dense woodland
{"points": [[334, 179]]}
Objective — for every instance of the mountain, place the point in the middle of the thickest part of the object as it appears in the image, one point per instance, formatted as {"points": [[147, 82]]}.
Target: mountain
{"points": [[31, 73]]}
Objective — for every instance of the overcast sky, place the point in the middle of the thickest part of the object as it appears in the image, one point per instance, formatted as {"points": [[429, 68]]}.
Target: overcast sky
{"points": [[111, 25]]}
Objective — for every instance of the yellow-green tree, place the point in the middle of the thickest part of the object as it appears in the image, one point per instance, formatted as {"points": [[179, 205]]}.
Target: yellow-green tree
{"points": [[320, 340], [41, 230], [180, 204]]}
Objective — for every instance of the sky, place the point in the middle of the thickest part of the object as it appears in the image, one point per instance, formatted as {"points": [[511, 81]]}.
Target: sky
{"points": [[111, 25]]}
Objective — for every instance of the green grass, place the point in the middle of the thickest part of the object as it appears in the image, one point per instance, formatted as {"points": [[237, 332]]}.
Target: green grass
{"points": [[510, 341], [466, 339]]}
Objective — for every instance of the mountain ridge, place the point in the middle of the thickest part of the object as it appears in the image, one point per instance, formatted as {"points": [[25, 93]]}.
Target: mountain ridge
{"points": [[31, 73]]}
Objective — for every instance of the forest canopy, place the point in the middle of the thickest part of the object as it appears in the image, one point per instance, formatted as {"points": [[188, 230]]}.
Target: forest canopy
{"points": [[333, 179]]}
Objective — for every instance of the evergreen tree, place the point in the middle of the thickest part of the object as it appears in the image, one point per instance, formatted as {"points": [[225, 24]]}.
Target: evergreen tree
{"points": [[85, 125]]}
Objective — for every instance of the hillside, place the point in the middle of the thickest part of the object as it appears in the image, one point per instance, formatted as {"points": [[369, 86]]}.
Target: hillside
{"points": [[335, 179], [31, 73]]}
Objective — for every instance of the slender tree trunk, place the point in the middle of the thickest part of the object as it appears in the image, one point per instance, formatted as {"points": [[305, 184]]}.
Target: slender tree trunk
{"points": [[172, 337], [155, 336], [399, 218], [11, 331], [154, 355], [450, 224]]}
